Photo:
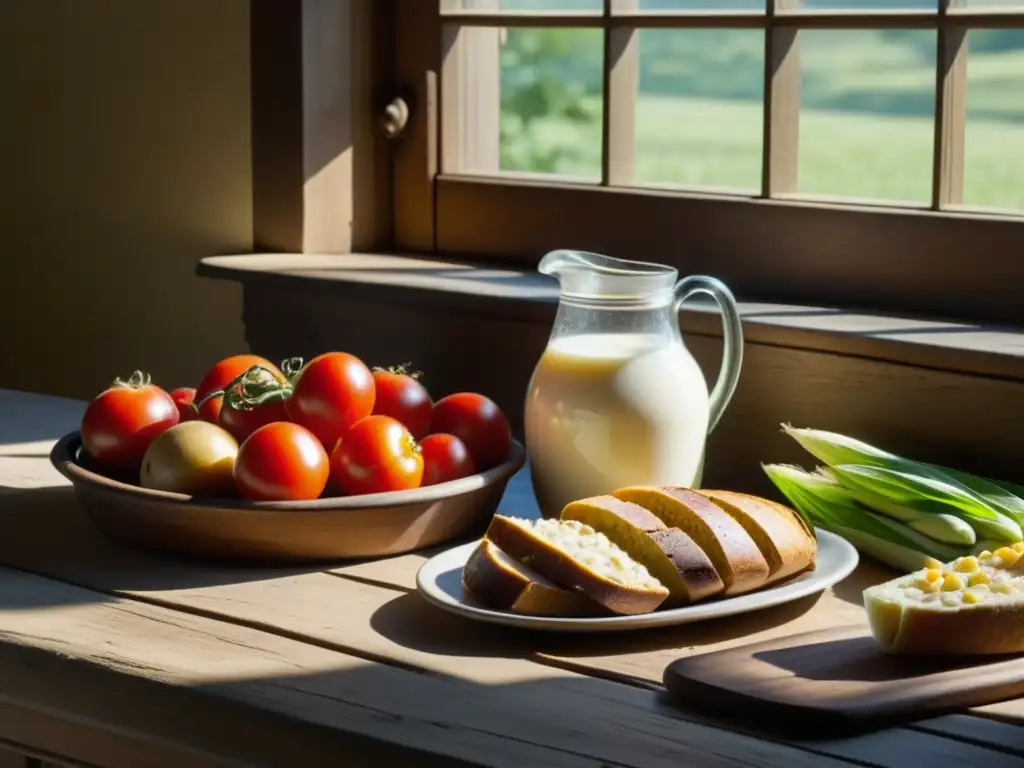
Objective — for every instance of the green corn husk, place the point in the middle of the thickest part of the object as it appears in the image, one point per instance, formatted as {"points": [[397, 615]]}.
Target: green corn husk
{"points": [[827, 505], [948, 529], [904, 488], [834, 449], [925, 516], [1005, 497]]}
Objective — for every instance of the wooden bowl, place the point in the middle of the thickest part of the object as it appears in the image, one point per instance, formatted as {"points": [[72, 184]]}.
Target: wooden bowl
{"points": [[285, 532]]}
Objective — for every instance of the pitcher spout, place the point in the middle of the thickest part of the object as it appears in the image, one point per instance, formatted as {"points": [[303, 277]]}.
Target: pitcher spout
{"points": [[558, 262], [594, 276]]}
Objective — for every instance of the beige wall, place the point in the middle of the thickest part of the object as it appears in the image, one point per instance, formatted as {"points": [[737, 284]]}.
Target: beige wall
{"points": [[124, 138]]}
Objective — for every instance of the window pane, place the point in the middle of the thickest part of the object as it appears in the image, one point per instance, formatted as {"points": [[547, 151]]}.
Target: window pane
{"points": [[994, 4], [864, 5], [994, 151], [551, 101], [867, 104], [699, 112], [700, 5]]}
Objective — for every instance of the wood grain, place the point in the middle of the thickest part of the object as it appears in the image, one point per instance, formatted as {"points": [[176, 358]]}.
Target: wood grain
{"points": [[376, 624], [379, 625], [504, 290], [571, 720], [417, 49], [320, 172], [838, 678], [379, 622], [783, 250]]}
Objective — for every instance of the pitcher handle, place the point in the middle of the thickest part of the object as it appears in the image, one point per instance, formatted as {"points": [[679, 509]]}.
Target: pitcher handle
{"points": [[732, 352]]}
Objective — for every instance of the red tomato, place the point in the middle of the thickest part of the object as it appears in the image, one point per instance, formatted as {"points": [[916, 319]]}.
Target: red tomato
{"points": [[242, 422], [330, 394], [184, 397], [402, 397], [121, 422], [478, 422], [375, 455], [221, 375], [281, 462], [445, 458]]}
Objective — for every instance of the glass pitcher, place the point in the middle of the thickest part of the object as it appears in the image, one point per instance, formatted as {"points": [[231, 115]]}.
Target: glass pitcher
{"points": [[616, 399]]}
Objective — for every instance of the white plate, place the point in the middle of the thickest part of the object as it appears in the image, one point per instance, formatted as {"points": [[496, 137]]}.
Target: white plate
{"points": [[440, 581]]}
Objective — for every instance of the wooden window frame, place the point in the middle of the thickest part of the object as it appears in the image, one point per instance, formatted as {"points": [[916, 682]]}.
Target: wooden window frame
{"points": [[325, 180], [941, 259]]}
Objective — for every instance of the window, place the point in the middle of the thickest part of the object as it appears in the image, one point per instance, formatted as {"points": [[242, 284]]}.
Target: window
{"points": [[864, 153]]}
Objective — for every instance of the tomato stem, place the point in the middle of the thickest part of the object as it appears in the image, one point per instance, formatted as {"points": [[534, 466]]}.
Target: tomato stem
{"points": [[137, 380], [402, 369], [291, 367], [255, 386]]}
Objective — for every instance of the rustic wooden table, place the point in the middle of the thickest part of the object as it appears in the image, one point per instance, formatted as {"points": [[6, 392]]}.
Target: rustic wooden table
{"points": [[115, 657]]}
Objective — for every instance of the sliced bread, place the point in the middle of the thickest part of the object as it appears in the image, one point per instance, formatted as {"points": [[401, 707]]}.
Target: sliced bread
{"points": [[733, 552], [972, 606], [785, 544], [576, 557], [501, 583], [668, 553]]}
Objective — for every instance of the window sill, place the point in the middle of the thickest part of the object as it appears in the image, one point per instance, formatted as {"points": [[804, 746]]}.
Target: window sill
{"points": [[507, 291]]}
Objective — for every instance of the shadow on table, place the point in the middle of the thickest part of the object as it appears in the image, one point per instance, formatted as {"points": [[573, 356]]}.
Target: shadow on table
{"points": [[332, 709], [46, 526], [411, 622]]}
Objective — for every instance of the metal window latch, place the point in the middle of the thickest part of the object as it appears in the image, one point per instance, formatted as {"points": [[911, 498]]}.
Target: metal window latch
{"points": [[394, 117]]}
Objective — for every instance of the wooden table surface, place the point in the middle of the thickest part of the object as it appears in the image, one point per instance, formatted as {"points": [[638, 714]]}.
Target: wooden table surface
{"points": [[114, 657]]}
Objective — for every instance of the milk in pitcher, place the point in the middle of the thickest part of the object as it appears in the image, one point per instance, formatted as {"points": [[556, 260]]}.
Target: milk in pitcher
{"points": [[606, 410]]}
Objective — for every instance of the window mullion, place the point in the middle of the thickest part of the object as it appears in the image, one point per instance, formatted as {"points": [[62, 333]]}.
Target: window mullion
{"points": [[621, 84], [950, 109], [781, 103]]}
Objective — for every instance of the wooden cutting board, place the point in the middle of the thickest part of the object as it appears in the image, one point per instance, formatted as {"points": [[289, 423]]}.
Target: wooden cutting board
{"points": [[837, 678]]}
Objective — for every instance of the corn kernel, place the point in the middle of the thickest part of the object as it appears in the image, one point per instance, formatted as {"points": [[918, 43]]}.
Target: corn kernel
{"points": [[931, 562], [952, 582], [972, 598], [1018, 547], [1002, 588], [978, 577], [1007, 555], [932, 574], [966, 564], [984, 554], [928, 587]]}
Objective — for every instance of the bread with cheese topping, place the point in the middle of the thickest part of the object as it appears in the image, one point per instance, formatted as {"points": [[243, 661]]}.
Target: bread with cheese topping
{"points": [[576, 557], [971, 606]]}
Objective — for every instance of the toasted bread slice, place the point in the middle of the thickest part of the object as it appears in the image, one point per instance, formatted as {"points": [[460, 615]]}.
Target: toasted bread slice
{"points": [[576, 557], [734, 554], [972, 606], [499, 582], [785, 544], [668, 553]]}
